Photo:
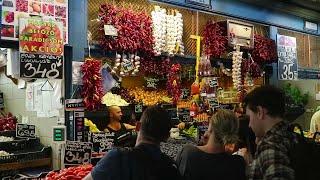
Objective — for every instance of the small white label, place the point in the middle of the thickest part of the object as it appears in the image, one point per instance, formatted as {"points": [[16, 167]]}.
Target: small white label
{"points": [[311, 26], [318, 96], [110, 30]]}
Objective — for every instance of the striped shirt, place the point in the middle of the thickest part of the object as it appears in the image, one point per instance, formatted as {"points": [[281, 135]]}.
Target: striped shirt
{"points": [[271, 159]]}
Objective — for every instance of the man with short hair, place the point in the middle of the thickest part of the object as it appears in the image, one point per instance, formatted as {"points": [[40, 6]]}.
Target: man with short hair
{"points": [[265, 106], [145, 161]]}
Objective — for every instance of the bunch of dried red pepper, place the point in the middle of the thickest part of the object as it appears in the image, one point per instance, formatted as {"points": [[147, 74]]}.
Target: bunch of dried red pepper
{"points": [[92, 89], [134, 30], [265, 51], [174, 82], [215, 40]]}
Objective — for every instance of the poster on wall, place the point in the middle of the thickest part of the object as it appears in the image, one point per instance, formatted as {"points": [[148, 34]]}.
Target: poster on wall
{"points": [[287, 58], [41, 48], [13, 10]]}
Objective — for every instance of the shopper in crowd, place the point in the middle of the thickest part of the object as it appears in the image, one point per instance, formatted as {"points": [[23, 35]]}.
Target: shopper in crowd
{"points": [[265, 106], [145, 161], [315, 121], [114, 124], [211, 161]]}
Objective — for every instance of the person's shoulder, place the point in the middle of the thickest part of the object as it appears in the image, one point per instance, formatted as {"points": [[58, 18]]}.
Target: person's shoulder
{"points": [[239, 160]]}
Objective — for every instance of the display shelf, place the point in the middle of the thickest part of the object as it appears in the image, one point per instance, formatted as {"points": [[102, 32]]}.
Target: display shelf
{"points": [[25, 164]]}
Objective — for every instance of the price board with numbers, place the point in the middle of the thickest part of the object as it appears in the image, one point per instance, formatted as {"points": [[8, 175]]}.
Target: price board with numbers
{"points": [[287, 58], [138, 108], [102, 142], [26, 131], [184, 115], [77, 153]]}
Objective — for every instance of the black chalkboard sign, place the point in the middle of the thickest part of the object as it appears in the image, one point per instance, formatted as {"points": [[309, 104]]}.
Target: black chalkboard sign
{"points": [[184, 115], [102, 142], [202, 128], [213, 102], [138, 108], [41, 66], [79, 125], [77, 153], [26, 131], [185, 93]]}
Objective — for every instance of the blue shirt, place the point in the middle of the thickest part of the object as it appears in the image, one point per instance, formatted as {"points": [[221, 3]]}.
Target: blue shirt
{"points": [[110, 167]]}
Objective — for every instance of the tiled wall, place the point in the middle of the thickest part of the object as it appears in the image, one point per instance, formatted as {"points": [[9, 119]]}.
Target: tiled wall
{"points": [[14, 100]]}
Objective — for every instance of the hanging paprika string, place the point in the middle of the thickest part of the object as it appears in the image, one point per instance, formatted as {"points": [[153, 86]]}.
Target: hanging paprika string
{"points": [[92, 90]]}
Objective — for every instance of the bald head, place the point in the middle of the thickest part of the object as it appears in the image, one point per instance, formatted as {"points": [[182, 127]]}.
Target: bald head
{"points": [[115, 113]]}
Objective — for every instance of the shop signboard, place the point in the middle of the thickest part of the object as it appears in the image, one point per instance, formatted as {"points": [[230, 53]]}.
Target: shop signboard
{"points": [[74, 105], [41, 49], [77, 153], [102, 142], [78, 125], [13, 10], [26, 131], [287, 58]]}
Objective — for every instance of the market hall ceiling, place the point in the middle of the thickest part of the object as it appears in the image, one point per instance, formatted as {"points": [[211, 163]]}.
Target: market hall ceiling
{"points": [[307, 9]]}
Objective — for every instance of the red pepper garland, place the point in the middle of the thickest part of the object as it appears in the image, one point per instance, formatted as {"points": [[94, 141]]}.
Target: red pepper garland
{"points": [[134, 30], [173, 83], [265, 51], [215, 42], [92, 90], [155, 67]]}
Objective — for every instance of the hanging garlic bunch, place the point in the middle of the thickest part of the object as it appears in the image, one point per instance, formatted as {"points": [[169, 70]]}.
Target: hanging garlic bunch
{"points": [[179, 28], [126, 65], [171, 36], [236, 68], [159, 29]]}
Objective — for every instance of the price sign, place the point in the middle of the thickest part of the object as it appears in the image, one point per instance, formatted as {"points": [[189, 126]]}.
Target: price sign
{"points": [[127, 65], [77, 153], [202, 128], [151, 82], [110, 30], [74, 105], [41, 66], [287, 58], [26, 131], [138, 108], [213, 102], [79, 125], [102, 142], [213, 82], [184, 115], [185, 93]]}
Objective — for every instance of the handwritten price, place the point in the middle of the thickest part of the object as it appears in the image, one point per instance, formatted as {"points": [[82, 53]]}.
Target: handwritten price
{"points": [[32, 71], [75, 157]]}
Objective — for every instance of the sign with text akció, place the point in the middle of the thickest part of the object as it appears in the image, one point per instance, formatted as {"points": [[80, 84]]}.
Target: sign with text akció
{"points": [[287, 58], [41, 49]]}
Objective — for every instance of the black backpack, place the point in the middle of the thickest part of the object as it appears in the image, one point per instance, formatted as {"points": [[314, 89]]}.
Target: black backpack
{"points": [[138, 165], [305, 156]]}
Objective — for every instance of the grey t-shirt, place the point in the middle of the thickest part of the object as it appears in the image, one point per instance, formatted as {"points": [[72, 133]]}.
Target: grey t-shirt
{"points": [[195, 164]]}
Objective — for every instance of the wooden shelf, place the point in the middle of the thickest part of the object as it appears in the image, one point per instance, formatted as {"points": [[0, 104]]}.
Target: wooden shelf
{"points": [[26, 164]]}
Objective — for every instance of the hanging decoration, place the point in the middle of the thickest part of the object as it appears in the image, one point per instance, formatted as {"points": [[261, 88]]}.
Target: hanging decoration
{"points": [[134, 30], [215, 42], [92, 89], [167, 31], [265, 51], [236, 68], [174, 82]]}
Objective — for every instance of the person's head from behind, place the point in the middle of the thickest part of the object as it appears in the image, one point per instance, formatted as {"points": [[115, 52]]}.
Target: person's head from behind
{"points": [[155, 124], [264, 105], [115, 113], [223, 128]]}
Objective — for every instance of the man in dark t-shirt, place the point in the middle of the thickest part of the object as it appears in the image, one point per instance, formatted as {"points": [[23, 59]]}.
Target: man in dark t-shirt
{"points": [[145, 161]]}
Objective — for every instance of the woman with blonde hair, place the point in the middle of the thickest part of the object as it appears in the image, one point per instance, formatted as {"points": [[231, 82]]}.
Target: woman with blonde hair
{"points": [[211, 161]]}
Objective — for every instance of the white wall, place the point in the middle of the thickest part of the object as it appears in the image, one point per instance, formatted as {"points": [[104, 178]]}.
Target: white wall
{"points": [[14, 100]]}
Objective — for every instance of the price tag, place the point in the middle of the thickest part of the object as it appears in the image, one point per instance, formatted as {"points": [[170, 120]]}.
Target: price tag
{"points": [[287, 58], [74, 105], [184, 115], [213, 102], [185, 93], [102, 142], [138, 108], [151, 82], [77, 153], [127, 66], [41, 66], [26, 131], [213, 82], [110, 30], [78, 125]]}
